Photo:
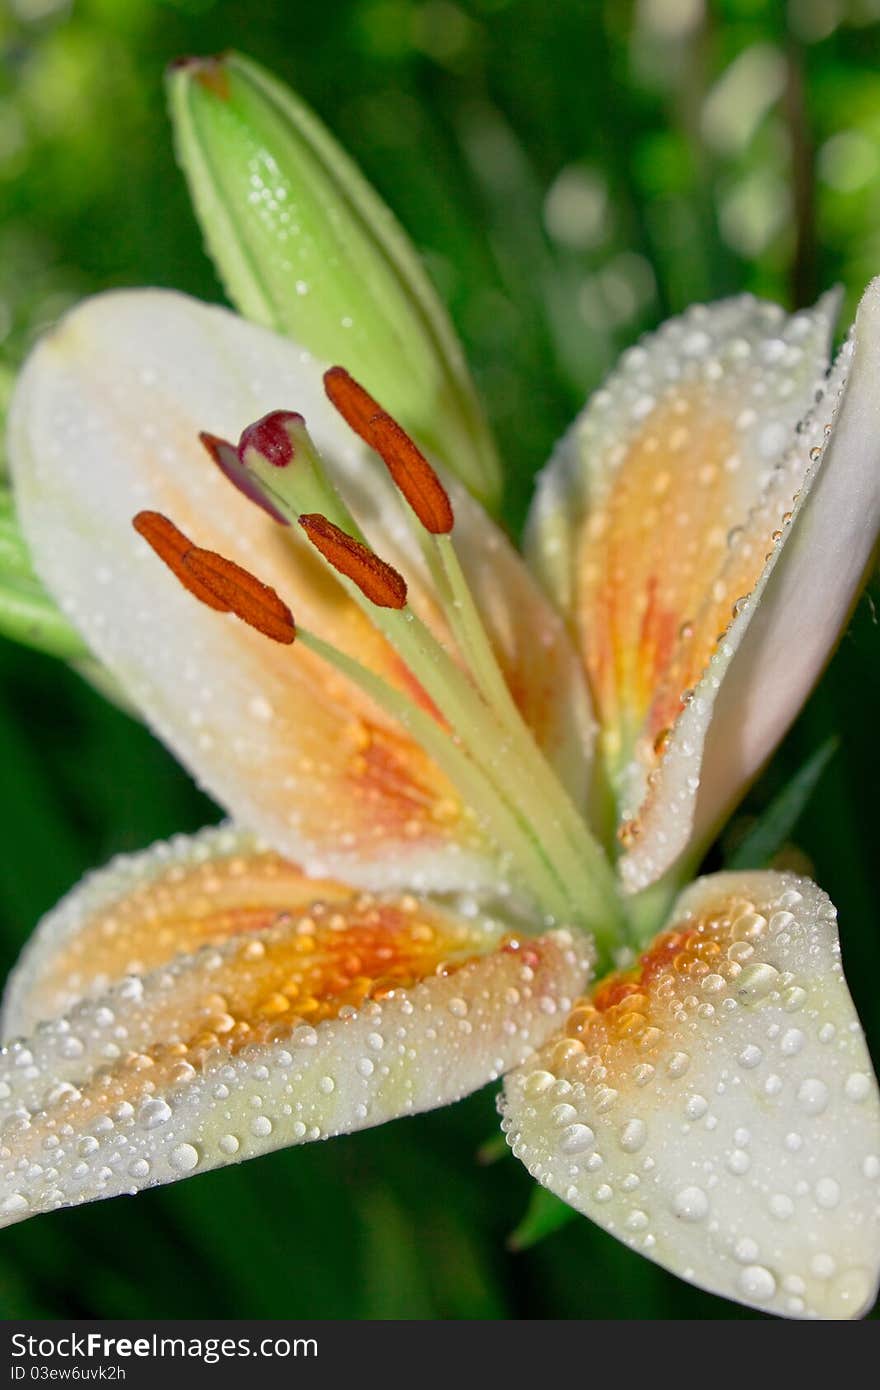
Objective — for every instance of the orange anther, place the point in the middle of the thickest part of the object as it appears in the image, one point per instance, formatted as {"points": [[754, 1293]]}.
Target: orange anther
{"points": [[172, 546], [216, 581], [379, 582], [256, 603], [411, 471]]}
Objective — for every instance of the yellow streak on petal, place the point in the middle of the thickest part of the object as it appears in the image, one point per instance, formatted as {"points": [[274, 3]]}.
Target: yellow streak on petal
{"points": [[186, 906], [273, 987], [658, 574], [714, 1106]]}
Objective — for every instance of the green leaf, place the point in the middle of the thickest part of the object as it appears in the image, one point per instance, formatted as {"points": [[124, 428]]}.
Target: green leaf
{"points": [[392, 1279], [31, 617], [544, 1215], [774, 826], [27, 613], [494, 1148], [304, 245], [7, 379]]}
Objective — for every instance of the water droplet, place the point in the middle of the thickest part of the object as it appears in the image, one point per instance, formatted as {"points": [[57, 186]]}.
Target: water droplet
{"points": [[792, 1042], [691, 1204], [261, 1126], [827, 1193], [857, 1086], [757, 1283], [576, 1139], [794, 999], [755, 981], [749, 926], [738, 1162], [813, 1095], [746, 1250], [750, 1056], [154, 1113], [632, 1136], [228, 1144], [781, 1206], [184, 1157], [678, 1064], [14, 1204], [696, 1107], [539, 1082]]}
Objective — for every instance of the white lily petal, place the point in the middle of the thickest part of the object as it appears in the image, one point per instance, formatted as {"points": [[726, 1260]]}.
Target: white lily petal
{"points": [[715, 1108], [811, 590], [653, 525], [330, 1013], [105, 423]]}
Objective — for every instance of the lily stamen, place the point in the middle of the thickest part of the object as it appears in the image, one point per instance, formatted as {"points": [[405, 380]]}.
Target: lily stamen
{"points": [[173, 547], [410, 470], [474, 701], [549, 848], [219, 583], [256, 603], [377, 581]]}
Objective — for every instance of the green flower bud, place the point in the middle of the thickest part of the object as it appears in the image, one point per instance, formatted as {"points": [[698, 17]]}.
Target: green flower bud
{"points": [[305, 246]]}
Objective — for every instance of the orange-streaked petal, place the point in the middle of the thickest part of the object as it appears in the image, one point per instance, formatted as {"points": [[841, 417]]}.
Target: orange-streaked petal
{"points": [[105, 423], [142, 910], [339, 1015], [715, 1107], [810, 591], [653, 523]]}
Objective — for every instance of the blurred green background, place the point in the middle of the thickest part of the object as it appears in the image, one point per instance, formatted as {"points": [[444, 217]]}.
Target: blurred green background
{"points": [[572, 172]]}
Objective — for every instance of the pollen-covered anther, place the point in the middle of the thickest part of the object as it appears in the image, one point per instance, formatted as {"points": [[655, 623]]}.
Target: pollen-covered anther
{"points": [[172, 546], [220, 583], [410, 470], [377, 581]]}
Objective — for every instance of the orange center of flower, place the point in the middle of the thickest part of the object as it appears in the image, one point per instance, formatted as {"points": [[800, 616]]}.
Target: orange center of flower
{"points": [[698, 961]]}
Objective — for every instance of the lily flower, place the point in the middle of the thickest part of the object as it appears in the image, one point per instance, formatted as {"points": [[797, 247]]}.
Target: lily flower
{"points": [[472, 784]]}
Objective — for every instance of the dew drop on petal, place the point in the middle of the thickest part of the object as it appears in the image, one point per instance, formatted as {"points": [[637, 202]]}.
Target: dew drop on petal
{"points": [[184, 1158]]}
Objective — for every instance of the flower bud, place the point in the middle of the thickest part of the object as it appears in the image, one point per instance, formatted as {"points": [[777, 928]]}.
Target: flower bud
{"points": [[305, 246]]}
